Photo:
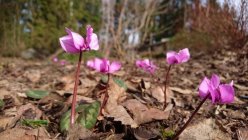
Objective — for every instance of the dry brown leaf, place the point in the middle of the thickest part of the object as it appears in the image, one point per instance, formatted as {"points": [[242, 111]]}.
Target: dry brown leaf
{"points": [[180, 90], [4, 93], [242, 133], [80, 98], [40, 132], [78, 132], [5, 121], [22, 134], [21, 110], [113, 109], [33, 75], [158, 93], [236, 114], [68, 82], [86, 82], [204, 130], [241, 87], [143, 134], [143, 114]]}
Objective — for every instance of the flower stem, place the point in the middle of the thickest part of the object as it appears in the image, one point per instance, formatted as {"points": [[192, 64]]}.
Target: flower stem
{"points": [[191, 117], [165, 84], [106, 96], [74, 99]]}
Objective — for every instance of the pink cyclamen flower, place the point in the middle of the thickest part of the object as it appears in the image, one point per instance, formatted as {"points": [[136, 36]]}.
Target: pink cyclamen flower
{"points": [[62, 62], [55, 59], [74, 42], [103, 65], [219, 93], [146, 65], [178, 58]]}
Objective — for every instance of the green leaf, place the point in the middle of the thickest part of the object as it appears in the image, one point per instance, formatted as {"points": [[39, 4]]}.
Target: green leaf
{"points": [[1, 103], [87, 116], [37, 94], [118, 81], [34, 123], [167, 133]]}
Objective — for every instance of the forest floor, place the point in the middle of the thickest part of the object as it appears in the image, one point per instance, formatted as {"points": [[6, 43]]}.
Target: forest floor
{"points": [[134, 108]]}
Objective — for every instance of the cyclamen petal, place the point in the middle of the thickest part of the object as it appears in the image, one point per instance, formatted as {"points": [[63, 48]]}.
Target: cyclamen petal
{"points": [[203, 88], [90, 64], [91, 38], [115, 66], [184, 55], [226, 93], [78, 40], [67, 44], [171, 57], [215, 81]]}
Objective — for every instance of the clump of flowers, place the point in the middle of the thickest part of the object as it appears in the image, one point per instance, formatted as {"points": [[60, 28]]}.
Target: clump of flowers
{"points": [[106, 67], [75, 43], [208, 88]]}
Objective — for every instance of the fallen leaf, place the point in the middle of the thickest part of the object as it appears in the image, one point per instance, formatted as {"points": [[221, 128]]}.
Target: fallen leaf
{"points": [[114, 109], [158, 93], [143, 134], [241, 87], [78, 132], [204, 130], [22, 110], [143, 114], [242, 133], [41, 132], [236, 114], [23, 134], [180, 90], [80, 98], [4, 93], [32, 75], [5, 121]]}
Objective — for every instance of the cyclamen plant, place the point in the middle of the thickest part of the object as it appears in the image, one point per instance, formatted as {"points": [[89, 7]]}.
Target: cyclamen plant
{"points": [[211, 89], [74, 43], [172, 58], [104, 66]]}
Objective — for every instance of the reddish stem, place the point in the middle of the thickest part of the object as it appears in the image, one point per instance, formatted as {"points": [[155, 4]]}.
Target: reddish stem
{"points": [[190, 118], [165, 84], [74, 99], [106, 96]]}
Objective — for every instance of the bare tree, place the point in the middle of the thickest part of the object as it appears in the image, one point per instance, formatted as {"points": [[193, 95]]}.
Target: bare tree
{"points": [[128, 23]]}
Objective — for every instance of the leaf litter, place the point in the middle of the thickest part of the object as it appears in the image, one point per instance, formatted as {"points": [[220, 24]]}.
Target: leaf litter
{"points": [[135, 108]]}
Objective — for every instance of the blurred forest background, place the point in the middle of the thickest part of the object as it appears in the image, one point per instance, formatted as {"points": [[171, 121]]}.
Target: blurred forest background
{"points": [[124, 26]]}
